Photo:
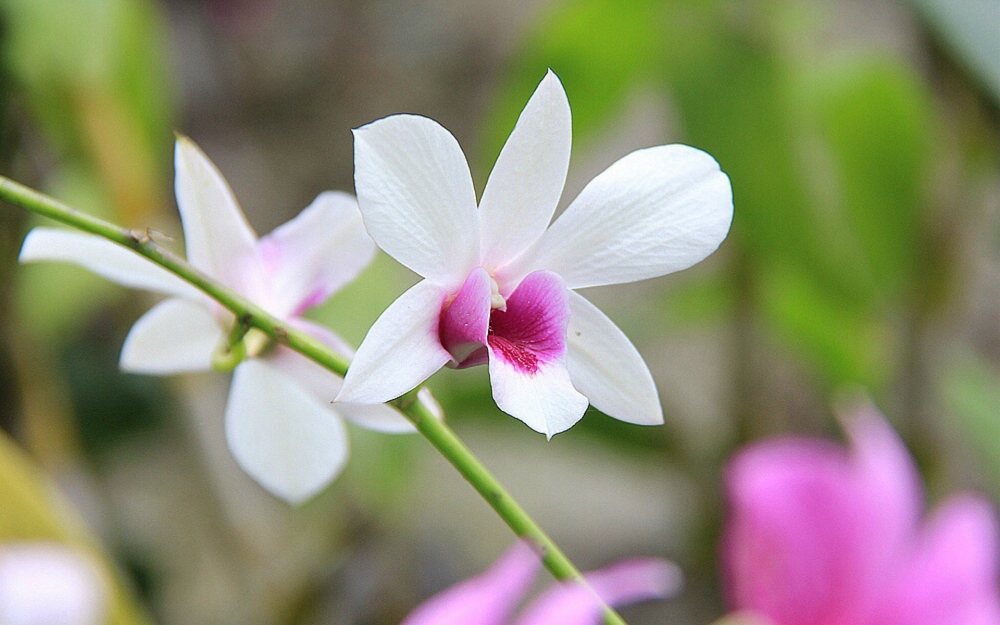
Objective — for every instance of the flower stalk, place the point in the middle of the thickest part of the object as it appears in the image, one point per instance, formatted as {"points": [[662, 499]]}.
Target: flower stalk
{"points": [[233, 350], [250, 316]]}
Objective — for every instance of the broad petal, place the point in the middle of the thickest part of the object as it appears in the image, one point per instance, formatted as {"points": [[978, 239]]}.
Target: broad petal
{"points": [[487, 599], [622, 584], [796, 547], [528, 178], [217, 237], [465, 322], [655, 211], [108, 260], [952, 577], [527, 353], [605, 366], [544, 400], [281, 435], [416, 196], [401, 349], [175, 336], [324, 385], [312, 256]]}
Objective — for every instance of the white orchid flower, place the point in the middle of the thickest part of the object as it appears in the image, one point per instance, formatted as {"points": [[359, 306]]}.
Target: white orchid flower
{"points": [[279, 423], [498, 280]]}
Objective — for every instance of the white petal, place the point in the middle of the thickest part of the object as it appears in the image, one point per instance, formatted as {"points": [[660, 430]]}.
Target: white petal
{"points": [[175, 336], [544, 400], [282, 436], [106, 259], [314, 255], [217, 237], [605, 366], [401, 349], [324, 384], [653, 212], [527, 180], [416, 196], [377, 417]]}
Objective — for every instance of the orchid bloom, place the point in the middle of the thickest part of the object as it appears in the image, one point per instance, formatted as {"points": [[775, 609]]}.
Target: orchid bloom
{"points": [[498, 279], [822, 535], [278, 422], [490, 598], [49, 584]]}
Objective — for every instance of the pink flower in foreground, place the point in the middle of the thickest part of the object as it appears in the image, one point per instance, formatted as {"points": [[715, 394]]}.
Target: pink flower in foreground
{"points": [[499, 281], [822, 535], [490, 598], [279, 423]]}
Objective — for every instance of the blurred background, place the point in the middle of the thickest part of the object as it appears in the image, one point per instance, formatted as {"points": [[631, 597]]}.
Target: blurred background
{"points": [[862, 138]]}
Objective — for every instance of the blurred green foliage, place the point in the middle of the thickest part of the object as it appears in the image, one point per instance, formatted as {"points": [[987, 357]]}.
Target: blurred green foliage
{"points": [[33, 511], [93, 77], [96, 80], [972, 395], [829, 156], [969, 28]]}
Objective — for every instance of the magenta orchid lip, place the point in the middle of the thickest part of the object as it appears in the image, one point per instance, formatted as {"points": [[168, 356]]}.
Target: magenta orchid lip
{"points": [[528, 333]]}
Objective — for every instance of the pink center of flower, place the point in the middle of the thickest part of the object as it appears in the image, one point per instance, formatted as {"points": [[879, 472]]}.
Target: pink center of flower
{"points": [[527, 330]]}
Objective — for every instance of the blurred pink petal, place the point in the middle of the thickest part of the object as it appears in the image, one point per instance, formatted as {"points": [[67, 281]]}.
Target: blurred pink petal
{"points": [[795, 531], [490, 598], [484, 600], [951, 578], [819, 535], [621, 584]]}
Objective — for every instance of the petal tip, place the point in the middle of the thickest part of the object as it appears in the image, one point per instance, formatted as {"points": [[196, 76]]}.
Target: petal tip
{"points": [[29, 248]]}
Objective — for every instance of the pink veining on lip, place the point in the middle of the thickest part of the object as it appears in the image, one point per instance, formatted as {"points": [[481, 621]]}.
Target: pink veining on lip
{"points": [[530, 333]]}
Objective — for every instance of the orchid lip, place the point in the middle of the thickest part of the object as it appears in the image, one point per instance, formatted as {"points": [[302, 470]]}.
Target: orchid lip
{"points": [[527, 329]]}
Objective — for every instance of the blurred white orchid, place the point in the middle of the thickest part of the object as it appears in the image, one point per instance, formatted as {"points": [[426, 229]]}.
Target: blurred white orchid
{"points": [[48, 584], [498, 279], [279, 423]]}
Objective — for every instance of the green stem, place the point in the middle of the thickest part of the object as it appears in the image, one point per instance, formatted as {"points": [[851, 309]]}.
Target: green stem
{"points": [[442, 437]]}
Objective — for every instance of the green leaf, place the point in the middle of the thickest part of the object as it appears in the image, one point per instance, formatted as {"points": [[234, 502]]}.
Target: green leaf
{"points": [[845, 344], [875, 118]]}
